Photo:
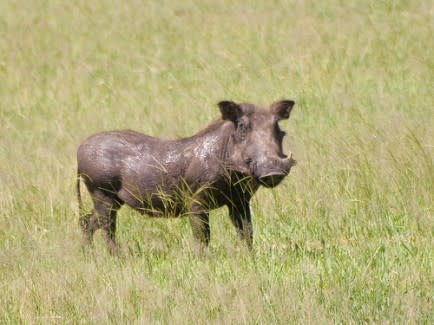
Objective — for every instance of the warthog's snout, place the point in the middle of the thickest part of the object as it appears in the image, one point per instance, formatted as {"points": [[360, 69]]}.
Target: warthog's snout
{"points": [[276, 171]]}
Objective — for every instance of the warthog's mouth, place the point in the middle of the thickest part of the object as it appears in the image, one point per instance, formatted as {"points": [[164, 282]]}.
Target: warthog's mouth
{"points": [[272, 179]]}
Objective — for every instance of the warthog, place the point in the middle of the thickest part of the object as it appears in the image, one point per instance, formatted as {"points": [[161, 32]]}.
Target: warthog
{"points": [[222, 165]]}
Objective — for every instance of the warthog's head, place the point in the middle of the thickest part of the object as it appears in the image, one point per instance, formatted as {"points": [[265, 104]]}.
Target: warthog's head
{"points": [[257, 140]]}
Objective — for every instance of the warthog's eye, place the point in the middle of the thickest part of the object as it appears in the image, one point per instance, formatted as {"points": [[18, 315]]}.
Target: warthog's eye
{"points": [[243, 128]]}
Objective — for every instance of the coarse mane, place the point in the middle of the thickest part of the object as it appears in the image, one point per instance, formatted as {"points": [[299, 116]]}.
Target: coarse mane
{"points": [[211, 128], [214, 125], [248, 109]]}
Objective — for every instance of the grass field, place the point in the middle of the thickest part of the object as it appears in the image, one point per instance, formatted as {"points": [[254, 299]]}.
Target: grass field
{"points": [[347, 238]]}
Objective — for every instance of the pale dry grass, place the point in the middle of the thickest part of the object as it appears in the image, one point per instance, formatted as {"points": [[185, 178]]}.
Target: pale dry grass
{"points": [[348, 237]]}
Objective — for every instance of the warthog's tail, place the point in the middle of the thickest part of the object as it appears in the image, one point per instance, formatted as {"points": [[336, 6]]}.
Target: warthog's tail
{"points": [[80, 203]]}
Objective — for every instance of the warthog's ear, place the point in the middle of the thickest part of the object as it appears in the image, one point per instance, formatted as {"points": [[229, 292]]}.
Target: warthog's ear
{"points": [[230, 110], [282, 108]]}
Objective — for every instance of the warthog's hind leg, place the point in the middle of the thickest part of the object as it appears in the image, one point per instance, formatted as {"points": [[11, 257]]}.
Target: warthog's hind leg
{"points": [[106, 206]]}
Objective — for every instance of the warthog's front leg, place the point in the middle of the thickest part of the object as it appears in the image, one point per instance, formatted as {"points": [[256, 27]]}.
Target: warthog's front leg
{"points": [[241, 219]]}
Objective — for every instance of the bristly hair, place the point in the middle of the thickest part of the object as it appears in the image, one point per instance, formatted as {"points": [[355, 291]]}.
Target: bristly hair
{"points": [[214, 125]]}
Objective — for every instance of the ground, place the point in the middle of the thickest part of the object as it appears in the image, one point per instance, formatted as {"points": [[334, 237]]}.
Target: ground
{"points": [[347, 237]]}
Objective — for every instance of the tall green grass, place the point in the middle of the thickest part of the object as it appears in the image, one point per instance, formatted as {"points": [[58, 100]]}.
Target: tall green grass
{"points": [[348, 236]]}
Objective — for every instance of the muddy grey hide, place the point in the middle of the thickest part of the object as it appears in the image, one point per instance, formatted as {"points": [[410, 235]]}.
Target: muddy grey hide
{"points": [[222, 165]]}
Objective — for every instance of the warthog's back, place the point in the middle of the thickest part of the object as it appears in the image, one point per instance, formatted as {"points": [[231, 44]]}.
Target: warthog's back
{"points": [[101, 157]]}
